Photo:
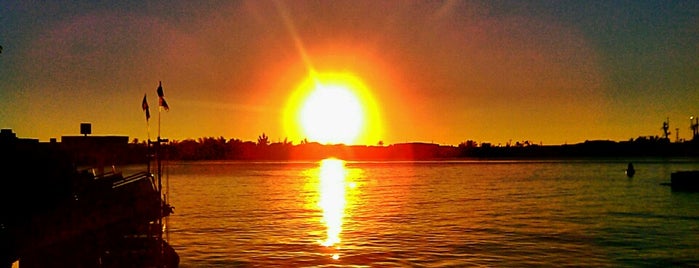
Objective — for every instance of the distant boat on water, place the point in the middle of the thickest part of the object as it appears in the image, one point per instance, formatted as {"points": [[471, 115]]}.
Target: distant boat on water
{"points": [[685, 181], [630, 171]]}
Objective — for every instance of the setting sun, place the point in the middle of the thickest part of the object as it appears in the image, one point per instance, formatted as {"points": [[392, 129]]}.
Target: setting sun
{"points": [[331, 114], [332, 108]]}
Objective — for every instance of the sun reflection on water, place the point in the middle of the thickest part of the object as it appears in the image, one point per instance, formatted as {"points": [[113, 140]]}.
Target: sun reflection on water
{"points": [[332, 199], [336, 189]]}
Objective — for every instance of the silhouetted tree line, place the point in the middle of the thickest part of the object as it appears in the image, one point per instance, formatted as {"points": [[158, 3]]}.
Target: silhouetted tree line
{"points": [[220, 148], [639, 147], [211, 148], [106, 151]]}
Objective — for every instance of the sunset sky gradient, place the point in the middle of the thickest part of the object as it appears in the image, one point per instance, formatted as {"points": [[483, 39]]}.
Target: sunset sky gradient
{"points": [[550, 72]]}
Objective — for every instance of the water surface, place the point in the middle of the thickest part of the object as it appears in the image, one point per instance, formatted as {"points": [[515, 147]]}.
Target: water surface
{"points": [[432, 214]]}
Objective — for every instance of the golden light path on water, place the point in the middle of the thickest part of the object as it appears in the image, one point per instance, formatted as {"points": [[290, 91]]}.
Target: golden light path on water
{"points": [[332, 200]]}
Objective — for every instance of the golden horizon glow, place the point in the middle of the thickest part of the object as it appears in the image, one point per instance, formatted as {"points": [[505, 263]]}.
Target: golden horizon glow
{"points": [[332, 108]]}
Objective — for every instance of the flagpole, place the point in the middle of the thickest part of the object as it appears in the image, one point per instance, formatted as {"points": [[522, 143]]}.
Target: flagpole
{"points": [[162, 104], [160, 109], [159, 163], [148, 145], [146, 109], [160, 184]]}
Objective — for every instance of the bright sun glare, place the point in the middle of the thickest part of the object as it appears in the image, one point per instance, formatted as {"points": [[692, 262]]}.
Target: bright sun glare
{"points": [[331, 114], [332, 108]]}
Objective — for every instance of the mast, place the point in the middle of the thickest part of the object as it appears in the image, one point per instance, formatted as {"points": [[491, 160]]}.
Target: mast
{"points": [[159, 174], [155, 151], [146, 109]]}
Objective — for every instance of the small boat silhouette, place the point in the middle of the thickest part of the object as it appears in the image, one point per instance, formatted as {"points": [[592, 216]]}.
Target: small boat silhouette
{"points": [[685, 181], [630, 171]]}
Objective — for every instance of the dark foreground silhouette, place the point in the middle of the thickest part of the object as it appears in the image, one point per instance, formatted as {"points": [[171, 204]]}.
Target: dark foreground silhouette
{"points": [[63, 207]]}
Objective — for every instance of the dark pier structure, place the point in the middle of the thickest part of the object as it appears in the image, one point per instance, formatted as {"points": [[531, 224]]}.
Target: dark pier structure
{"points": [[66, 205]]}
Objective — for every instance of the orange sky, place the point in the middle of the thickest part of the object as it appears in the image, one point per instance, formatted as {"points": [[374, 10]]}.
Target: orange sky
{"points": [[440, 71]]}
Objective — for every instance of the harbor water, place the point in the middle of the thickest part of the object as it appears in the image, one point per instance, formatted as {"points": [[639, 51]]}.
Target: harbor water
{"points": [[333, 213]]}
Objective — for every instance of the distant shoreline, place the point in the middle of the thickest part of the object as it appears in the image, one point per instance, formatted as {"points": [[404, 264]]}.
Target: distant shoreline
{"points": [[427, 151], [101, 150]]}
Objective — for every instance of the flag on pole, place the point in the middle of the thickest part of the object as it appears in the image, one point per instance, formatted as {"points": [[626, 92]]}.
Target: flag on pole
{"points": [[144, 105], [161, 97]]}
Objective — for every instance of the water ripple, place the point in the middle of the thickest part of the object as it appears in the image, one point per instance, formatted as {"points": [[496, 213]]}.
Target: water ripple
{"points": [[473, 214]]}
